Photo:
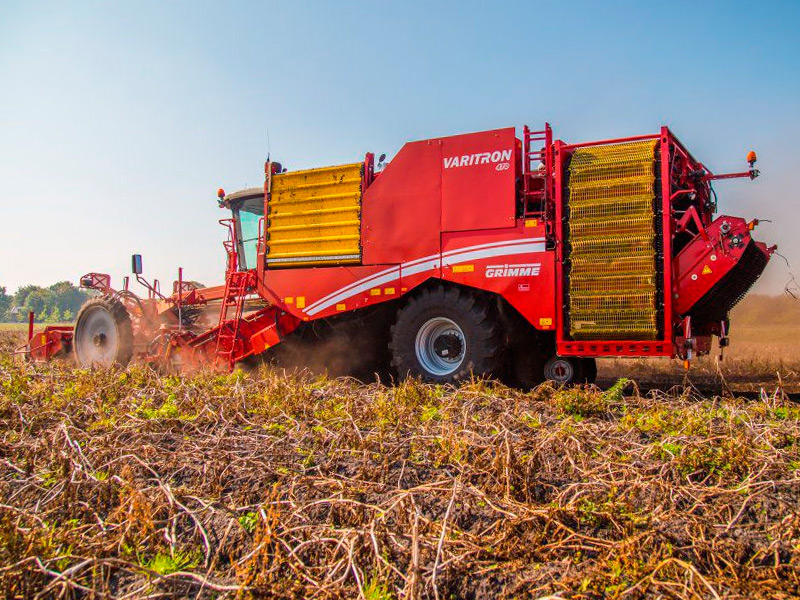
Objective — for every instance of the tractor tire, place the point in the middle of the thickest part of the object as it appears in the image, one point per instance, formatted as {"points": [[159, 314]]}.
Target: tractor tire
{"points": [[570, 370], [103, 334], [445, 335], [527, 368], [527, 350], [588, 370]]}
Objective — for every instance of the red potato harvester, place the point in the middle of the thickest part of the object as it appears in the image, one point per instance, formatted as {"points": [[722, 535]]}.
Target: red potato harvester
{"points": [[520, 258]]}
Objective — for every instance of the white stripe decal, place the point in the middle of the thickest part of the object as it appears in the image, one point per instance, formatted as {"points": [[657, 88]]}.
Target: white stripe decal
{"points": [[428, 263], [353, 285], [419, 260], [501, 251], [434, 257], [353, 291], [493, 245], [405, 266]]}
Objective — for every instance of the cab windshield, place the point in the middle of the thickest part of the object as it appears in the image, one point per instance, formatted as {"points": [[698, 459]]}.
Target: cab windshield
{"points": [[246, 214]]}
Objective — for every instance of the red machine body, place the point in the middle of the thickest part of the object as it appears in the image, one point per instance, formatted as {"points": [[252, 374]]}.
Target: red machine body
{"points": [[442, 209], [449, 209], [483, 211]]}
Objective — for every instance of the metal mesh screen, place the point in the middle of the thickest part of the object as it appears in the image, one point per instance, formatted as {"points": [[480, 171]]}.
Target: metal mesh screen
{"points": [[612, 243]]}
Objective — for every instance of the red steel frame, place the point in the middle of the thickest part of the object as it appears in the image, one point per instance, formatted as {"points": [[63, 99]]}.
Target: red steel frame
{"points": [[673, 327]]}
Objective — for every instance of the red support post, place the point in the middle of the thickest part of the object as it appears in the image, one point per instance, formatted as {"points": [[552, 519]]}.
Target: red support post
{"points": [[667, 233], [558, 230], [180, 298]]}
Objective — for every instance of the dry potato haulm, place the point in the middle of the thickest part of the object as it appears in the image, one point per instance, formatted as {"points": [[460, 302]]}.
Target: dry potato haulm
{"points": [[133, 484]]}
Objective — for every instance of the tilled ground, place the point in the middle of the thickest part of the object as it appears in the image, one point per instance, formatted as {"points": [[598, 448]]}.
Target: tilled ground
{"points": [[738, 374], [134, 485]]}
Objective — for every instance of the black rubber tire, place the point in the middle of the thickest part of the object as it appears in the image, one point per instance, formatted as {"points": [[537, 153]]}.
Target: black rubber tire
{"points": [[588, 370], [527, 349], [473, 315], [526, 368], [121, 322]]}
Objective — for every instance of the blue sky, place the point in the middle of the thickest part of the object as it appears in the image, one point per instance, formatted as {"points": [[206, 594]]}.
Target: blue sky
{"points": [[119, 120]]}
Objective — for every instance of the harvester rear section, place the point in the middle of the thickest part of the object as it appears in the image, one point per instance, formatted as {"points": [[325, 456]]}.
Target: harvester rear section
{"points": [[644, 268], [521, 258]]}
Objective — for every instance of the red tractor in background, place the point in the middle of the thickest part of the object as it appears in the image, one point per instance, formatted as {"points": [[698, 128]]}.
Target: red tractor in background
{"points": [[519, 258]]}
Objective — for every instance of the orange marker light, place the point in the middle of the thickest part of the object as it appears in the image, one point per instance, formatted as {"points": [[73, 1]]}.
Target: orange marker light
{"points": [[751, 157], [220, 193]]}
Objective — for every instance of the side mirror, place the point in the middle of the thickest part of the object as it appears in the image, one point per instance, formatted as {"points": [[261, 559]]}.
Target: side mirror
{"points": [[381, 158], [136, 264]]}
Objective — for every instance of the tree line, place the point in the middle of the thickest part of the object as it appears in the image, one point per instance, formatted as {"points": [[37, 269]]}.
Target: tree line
{"points": [[58, 303]]}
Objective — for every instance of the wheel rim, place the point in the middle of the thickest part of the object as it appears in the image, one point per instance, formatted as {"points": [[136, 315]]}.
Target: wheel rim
{"points": [[96, 339], [440, 346], [559, 370]]}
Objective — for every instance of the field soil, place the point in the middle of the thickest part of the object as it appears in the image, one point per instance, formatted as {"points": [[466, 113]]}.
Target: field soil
{"points": [[758, 360], [764, 354], [128, 484]]}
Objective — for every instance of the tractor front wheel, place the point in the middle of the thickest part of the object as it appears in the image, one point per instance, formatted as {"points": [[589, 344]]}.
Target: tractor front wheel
{"points": [[103, 334], [444, 335]]}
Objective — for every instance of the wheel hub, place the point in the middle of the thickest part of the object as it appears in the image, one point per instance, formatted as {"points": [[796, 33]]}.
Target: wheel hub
{"points": [[440, 346], [448, 346], [560, 370], [96, 338]]}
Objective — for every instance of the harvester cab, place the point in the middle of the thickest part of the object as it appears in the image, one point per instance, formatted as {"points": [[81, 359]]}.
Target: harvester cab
{"points": [[247, 211]]}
